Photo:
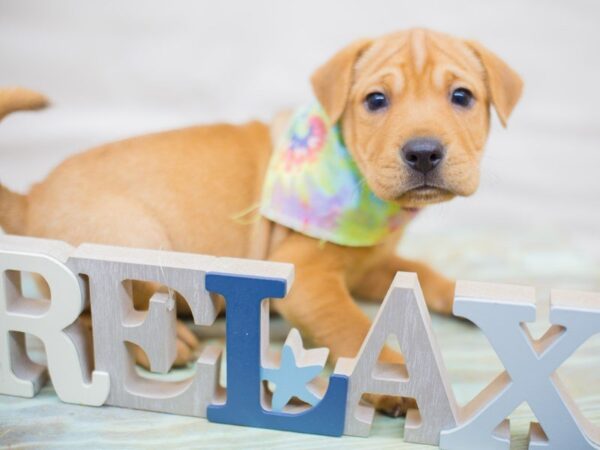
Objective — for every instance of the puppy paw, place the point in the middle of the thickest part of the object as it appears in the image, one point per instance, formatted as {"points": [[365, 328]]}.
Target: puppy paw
{"points": [[389, 405], [187, 348], [187, 345]]}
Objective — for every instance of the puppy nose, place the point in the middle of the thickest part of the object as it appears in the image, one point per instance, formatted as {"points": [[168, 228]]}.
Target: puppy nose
{"points": [[423, 154]]}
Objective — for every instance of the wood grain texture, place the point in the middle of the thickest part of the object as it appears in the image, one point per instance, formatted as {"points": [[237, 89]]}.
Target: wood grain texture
{"points": [[109, 272], [55, 322], [404, 314]]}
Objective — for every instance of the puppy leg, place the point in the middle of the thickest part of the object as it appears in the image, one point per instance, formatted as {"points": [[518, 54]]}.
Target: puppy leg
{"points": [[320, 305], [437, 289]]}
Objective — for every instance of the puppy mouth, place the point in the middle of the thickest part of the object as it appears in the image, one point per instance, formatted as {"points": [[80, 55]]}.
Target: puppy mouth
{"points": [[424, 195]]}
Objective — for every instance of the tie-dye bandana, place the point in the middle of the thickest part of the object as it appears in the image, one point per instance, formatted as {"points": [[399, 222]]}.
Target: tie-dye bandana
{"points": [[314, 187]]}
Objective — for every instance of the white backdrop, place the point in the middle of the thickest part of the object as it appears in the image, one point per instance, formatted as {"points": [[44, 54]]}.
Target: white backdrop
{"points": [[118, 68]]}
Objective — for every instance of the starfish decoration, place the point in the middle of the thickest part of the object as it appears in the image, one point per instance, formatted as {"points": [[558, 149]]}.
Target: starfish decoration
{"points": [[297, 368]]}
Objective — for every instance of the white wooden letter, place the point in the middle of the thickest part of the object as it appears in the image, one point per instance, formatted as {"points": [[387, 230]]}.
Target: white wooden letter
{"points": [[404, 314], [54, 322]]}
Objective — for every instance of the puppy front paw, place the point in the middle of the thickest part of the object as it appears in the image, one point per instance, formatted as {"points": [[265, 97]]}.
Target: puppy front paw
{"points": [[187, 345], [390, 405]]}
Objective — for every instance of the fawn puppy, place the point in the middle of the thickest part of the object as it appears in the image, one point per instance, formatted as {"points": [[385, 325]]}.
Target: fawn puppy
{"points": [[398, 123]]}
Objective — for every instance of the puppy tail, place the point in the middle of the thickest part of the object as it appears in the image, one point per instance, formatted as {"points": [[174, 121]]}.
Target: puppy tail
{"points": [[20, 99], [13, 210], [13, 206]]}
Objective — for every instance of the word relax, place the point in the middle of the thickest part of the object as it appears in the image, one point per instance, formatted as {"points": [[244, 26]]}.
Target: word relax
{"points": [[102, 275]]}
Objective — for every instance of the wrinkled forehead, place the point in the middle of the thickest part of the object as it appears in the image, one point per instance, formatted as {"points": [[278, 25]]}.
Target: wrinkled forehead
{"points": [[418, 57]]}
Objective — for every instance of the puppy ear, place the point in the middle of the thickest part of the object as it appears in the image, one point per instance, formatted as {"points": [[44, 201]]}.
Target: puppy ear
{"points": [[503, 83], [332, 81]]}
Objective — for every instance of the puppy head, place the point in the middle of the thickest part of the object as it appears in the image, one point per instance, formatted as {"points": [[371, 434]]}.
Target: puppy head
{"points": [[414, 108]]}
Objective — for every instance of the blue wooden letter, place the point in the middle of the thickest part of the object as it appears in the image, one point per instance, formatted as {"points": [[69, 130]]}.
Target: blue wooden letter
{"points": [[246, 315]]}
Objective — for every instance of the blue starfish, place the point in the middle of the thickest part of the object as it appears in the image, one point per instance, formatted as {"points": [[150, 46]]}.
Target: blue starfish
{"points": [[291, 378]]}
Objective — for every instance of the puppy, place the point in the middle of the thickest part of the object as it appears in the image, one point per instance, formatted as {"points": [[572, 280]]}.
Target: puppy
{"points": [[412, 111]]}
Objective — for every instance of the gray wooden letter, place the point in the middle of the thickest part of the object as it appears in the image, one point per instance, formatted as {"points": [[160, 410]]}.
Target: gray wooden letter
{"points": [[404, 314], [500, 312], [109, 271]]}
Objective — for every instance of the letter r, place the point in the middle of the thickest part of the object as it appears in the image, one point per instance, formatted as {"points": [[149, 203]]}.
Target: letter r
{"points": [[54, 322]]}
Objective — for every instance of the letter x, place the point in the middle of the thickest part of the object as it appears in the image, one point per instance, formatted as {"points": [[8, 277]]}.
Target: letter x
{"points": [[500, 312]]}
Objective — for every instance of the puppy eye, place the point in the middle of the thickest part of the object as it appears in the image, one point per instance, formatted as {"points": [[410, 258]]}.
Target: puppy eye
{"points": [[376, 101], [462, 97]]}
